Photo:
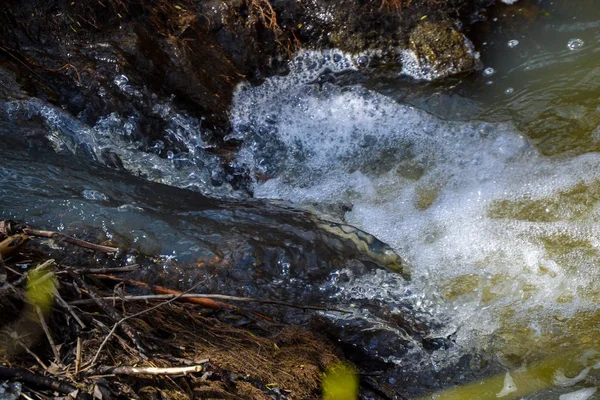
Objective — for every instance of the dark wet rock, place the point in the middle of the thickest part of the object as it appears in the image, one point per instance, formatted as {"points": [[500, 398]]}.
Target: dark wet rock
{"points": [[442, 50], [125, 59], [70, 53]]}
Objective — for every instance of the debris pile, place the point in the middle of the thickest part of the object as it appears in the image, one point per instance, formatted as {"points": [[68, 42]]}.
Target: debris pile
{"points": [[74, 326]]}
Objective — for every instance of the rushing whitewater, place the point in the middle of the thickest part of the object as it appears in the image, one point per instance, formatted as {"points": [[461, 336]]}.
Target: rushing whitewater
{"points": [[502, 240]]}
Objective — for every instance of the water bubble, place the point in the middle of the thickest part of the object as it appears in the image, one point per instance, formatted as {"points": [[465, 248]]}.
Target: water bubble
{"points": [[575, 44], [509, 90], [362, 61], [121, 80], [513, 43], [90, 194], [489, 71]]}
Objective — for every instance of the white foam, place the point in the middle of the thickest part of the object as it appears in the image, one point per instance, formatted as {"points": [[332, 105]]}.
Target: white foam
{"points": [[582, 394], [508, 387], [429, 188], [561, 379], [115, 134]]}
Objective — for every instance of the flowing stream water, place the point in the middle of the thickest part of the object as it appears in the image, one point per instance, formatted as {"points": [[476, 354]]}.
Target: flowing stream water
{"points": [[488, 186], [497, 217]]}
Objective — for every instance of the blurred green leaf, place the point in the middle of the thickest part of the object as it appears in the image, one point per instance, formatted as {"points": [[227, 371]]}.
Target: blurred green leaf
{"points": [[340, 382], [39, 291]]}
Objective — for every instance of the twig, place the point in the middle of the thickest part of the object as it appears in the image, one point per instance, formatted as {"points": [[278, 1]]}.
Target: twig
{"points": [[26, 397], [12, 243], [70, 239], [122, 322], [211, 296], [32, 354], [106, 270], [128, 370], [112, 313], [14, 271], [23, 278], [204, 302], [78, 355], [98, 324], [48, 335], [66, 305], [38, 394], [43, 382]]}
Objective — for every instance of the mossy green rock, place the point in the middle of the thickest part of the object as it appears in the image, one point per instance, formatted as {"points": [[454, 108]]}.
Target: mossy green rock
{"points": [[442, 49]]}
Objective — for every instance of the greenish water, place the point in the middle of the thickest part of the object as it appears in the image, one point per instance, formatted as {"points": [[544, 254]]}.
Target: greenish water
{"points": [[541, 72]]}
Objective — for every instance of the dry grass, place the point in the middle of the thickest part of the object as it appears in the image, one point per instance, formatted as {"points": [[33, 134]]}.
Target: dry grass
{"points": [[394, 5], [249, 357], [263, 10]]}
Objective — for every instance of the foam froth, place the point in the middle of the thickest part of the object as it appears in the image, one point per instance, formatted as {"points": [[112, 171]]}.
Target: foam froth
{"points": [[487, 222]]}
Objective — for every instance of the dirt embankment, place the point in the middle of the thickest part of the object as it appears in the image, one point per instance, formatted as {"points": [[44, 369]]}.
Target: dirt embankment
{"points": [[195, 52]]}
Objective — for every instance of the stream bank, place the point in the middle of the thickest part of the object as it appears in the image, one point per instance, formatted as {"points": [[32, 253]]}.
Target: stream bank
{"points": [[87, 57]]}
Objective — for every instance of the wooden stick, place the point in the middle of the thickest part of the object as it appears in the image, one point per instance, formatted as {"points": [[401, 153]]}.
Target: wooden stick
{"points": [[23, 278], [122, 322], [48, 335], [66, 305], [42, 382], [128, 370], [78, 355], [112, 313], [105, 270], [12, 243], [211, 296], [202, 301], [70, 239], [32, 354], [122, 342]]}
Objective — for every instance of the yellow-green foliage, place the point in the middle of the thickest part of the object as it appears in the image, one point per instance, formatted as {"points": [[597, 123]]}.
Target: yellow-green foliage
{"points": [[40, 289], [340, 382]]}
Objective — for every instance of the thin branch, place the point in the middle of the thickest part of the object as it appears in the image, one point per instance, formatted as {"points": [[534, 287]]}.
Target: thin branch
{"points": [[111, 312], [48, 335], [128, 370], [23, 278], [211, 296], [204, 302], [70, 239], [42, 382], [122, 322], [106, 270], [78, 355], [66, 305], [32, 354]]}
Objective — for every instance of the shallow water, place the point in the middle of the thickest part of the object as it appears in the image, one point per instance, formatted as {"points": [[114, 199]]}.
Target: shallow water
{"points": [[489, 188], [540, 71]]}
